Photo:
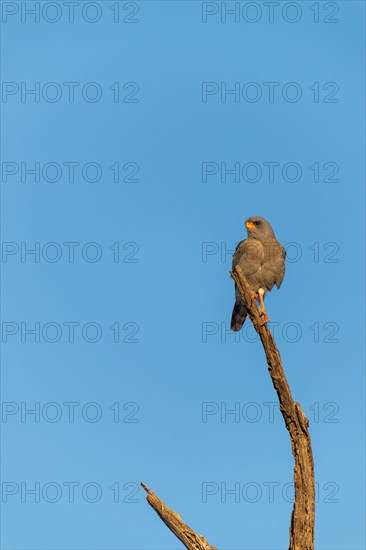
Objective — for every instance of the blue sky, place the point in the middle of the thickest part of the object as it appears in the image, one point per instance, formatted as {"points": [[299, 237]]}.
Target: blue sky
{"points": [[132, 214]]}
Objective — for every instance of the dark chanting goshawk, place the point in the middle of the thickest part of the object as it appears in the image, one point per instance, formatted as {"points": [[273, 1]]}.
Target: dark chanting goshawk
{"points": [[262, 260]]}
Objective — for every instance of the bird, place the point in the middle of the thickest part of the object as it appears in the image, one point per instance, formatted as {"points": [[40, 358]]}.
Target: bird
{"points": [[262, 260]]}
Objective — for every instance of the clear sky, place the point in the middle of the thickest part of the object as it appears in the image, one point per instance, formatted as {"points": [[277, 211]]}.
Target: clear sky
{"points": [[154, 129]]}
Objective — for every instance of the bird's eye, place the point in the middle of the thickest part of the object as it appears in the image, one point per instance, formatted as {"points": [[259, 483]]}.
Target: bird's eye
{"points": [[257, 223]]}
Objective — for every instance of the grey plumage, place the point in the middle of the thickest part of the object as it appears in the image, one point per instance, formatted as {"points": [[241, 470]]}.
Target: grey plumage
{"points": [[262, 259]]}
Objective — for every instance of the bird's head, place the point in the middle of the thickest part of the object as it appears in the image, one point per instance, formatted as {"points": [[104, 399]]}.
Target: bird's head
{"points": [[259, 228]]}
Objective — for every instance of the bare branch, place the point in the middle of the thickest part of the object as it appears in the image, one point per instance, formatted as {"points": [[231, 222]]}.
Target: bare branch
{"points": [[303, 514], [185, 534]]}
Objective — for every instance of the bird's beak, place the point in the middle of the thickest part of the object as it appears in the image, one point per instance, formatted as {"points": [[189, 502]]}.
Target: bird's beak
{"points": [[249, 225]]}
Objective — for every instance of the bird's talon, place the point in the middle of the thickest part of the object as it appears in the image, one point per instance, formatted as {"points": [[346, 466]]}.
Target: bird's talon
{"points": [[265, 317]]}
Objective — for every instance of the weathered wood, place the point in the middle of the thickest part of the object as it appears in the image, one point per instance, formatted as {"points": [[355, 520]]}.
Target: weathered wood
{"points": [[303, 514], [185, 534]]}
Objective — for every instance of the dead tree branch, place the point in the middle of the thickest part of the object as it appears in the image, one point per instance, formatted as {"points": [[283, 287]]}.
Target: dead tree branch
{"points": [[185, 534], [303, 514]]}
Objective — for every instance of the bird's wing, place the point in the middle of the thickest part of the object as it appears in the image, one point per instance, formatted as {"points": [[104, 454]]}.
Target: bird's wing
{"points": [[280, 266], [249, 256], [273, 269]]}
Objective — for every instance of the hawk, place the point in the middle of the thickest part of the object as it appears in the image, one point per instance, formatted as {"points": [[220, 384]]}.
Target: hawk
{"points": [[262, 260]]}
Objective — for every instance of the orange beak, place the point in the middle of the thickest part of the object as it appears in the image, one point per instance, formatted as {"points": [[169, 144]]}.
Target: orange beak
{"points": [[250, 225]]}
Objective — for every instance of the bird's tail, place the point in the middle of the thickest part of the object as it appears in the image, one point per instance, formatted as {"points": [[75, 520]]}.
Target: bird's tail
{"points": [[239, 315]]}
